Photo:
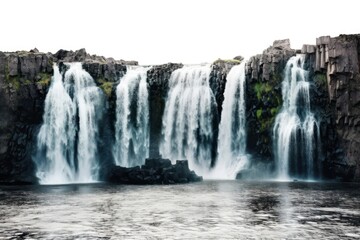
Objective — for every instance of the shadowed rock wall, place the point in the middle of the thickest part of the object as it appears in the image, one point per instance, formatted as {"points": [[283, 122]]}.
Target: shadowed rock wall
{"points": [[338, 59], [264, 74]]}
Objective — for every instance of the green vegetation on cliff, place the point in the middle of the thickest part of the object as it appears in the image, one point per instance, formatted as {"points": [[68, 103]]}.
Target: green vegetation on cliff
{"points": [[266, 118], [13, 82], [45, 79], [265, 101], [262, 88], [258, 113], [106, 86], [320, 79]]}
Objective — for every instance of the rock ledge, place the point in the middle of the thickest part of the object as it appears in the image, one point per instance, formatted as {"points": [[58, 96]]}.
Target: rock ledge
{"points": [[155, 171]]}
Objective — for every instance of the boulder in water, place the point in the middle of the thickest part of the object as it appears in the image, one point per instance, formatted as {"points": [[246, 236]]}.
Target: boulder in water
{"points": [[245, 174], [152, 163], [154, 171]]}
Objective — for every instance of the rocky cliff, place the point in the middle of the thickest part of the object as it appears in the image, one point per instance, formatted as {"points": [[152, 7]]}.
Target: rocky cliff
{"points": [[24, 81], [24, 78], [263, 96], [337, 59], [333, 65]]}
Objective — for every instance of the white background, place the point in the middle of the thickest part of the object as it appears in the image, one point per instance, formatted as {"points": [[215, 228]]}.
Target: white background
{"points": [[160, 31]]}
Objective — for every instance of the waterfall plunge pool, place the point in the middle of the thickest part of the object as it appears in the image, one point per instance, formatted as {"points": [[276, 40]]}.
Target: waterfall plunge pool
{"points": [[206, 210]]}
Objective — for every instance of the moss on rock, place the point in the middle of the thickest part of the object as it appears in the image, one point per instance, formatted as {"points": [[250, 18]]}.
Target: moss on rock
{"points": [[264, 101], [106, 86], [14, 82], [258, 113], [320, 79], [45, 79], [262, 88]]}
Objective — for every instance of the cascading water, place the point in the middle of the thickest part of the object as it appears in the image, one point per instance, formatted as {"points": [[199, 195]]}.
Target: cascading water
{"points": [[188, 118], [232, 129], [132, 119], [296, 132], [66, 142]]}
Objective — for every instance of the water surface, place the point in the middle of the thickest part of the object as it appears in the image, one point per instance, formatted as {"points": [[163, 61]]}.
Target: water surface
{"points": [[206, 210]]}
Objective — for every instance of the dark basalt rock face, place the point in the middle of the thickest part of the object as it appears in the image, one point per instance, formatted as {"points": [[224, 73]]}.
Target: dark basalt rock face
{"points": [[158, 82], [155, 171], [105, 71], [264, 74], [219, 71], [322, 108], [24, 78], [337, 60], [82, 56], [217, 81]]}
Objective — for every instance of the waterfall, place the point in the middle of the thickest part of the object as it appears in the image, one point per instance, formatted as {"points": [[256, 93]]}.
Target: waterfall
{"points": [[132, 119], [188, 118], [232, 129], [296, 131], [66, 143]]}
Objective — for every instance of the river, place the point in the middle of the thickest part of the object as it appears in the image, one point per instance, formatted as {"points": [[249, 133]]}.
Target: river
{"points": [[205, 210]]}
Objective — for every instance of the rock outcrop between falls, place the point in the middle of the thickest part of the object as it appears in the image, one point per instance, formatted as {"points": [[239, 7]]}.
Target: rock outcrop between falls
{"points": [[333, 65], [264, 74], [154, 171]]}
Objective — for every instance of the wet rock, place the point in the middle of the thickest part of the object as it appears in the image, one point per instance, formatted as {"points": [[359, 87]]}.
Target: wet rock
{"points": [[154, 171], [245, 174], [217, 80], [340, 170], [153, 163], [158, 81], [264, 74], [158, 77]]}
